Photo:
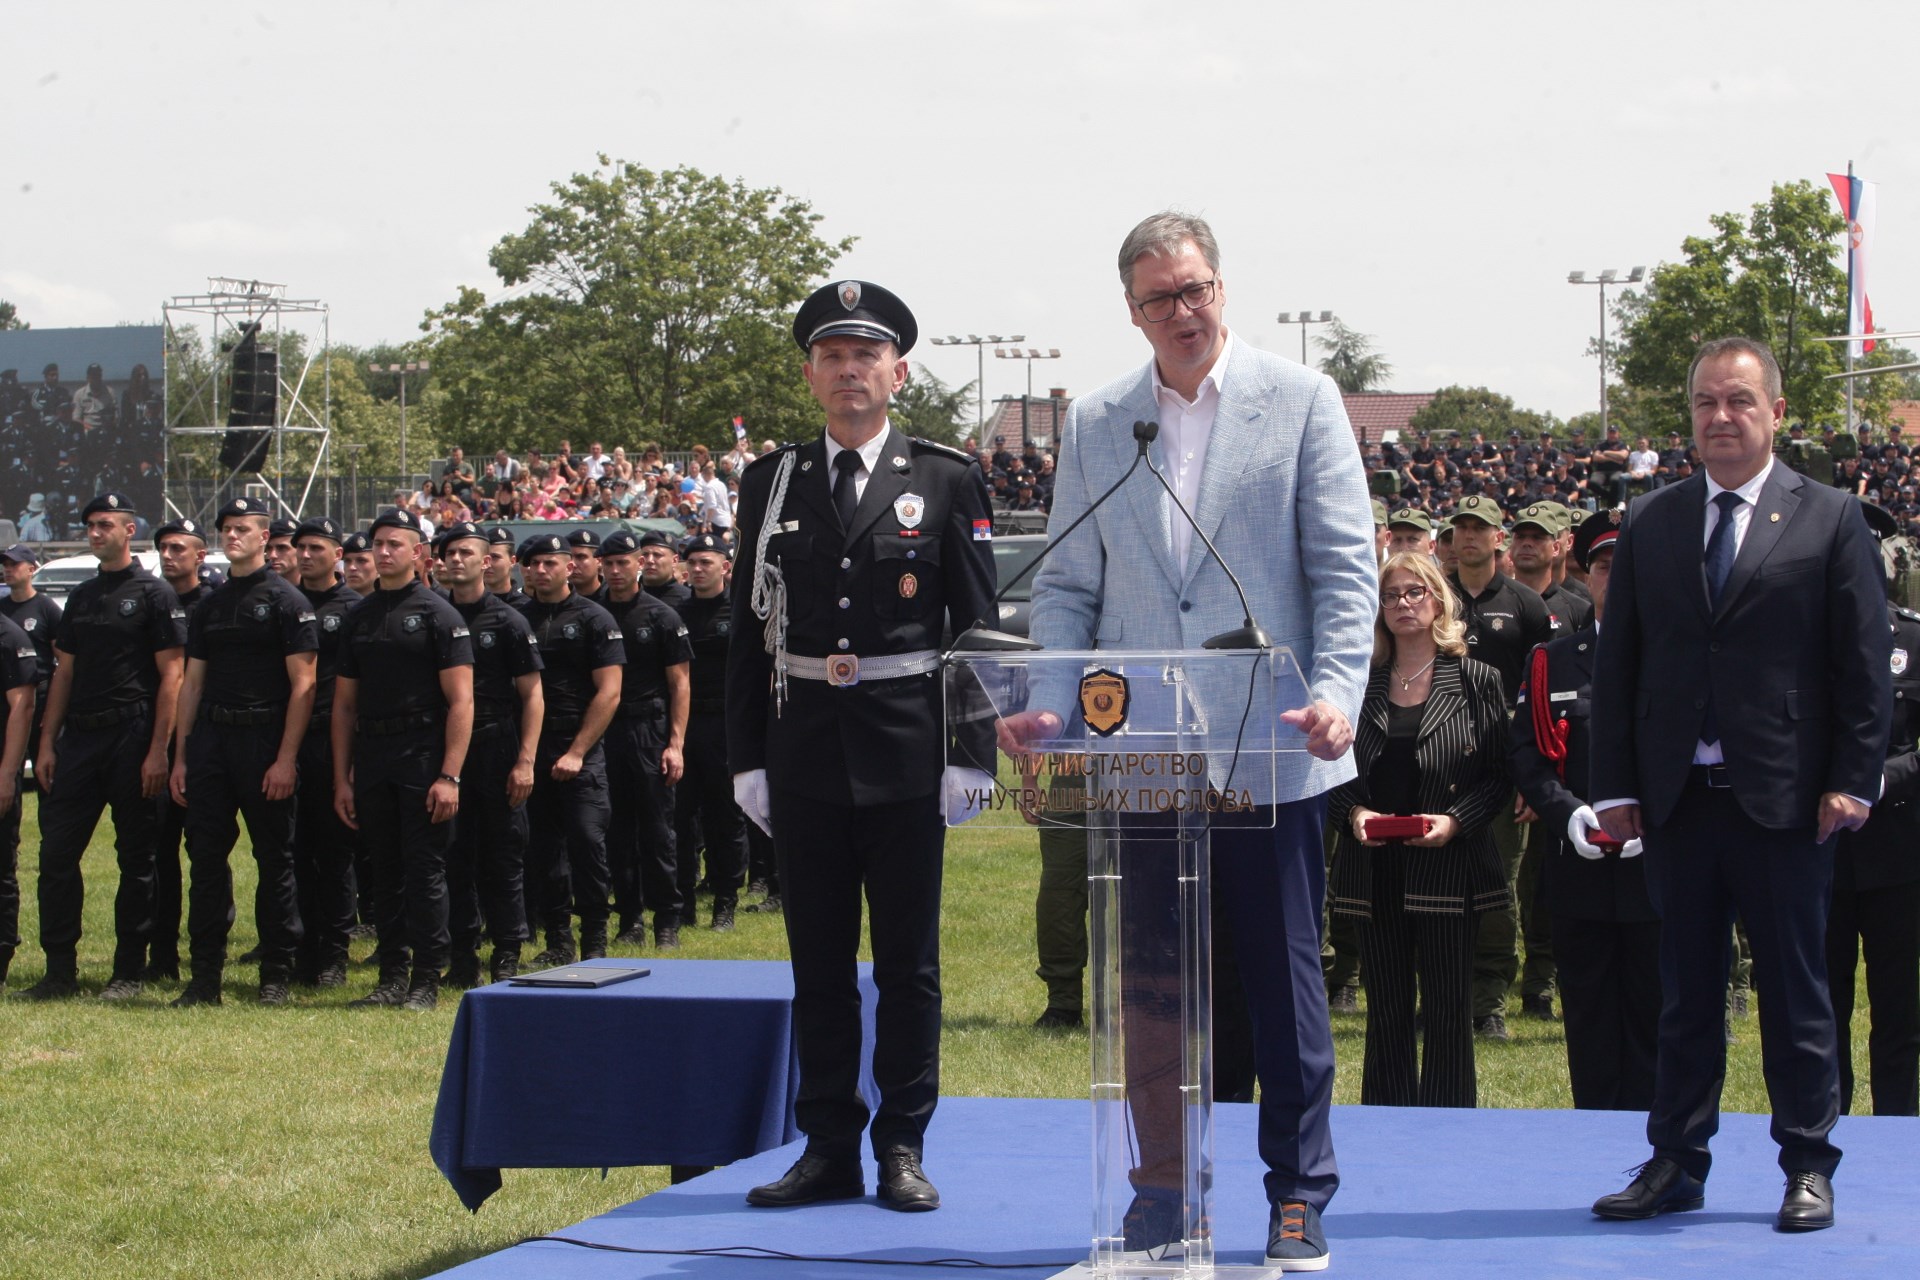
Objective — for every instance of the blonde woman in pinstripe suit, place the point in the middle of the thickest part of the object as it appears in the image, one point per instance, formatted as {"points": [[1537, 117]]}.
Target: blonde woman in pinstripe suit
{"points": [[1431, 741]]}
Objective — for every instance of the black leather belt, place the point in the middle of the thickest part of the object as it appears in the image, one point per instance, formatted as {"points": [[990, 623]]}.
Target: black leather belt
{"points": [[643, 709], [112, 716], [1714, 776], [494, 725], [396, 725], [246, 717]]}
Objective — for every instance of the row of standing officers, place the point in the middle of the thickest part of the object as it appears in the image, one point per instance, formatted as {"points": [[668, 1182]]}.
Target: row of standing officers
{"points": [[432, 761]]}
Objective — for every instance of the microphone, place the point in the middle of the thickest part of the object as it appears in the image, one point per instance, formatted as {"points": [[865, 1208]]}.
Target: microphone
{"points": [[976, 639], [1249, 634]]}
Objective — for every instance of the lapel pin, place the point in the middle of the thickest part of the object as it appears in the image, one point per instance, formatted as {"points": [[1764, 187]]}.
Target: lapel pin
{"points": [[1775, 517], [807, 465], [899, 462]]}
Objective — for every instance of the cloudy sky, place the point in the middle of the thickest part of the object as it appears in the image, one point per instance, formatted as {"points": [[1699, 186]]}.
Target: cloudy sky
{"points": [[1428, 172]]}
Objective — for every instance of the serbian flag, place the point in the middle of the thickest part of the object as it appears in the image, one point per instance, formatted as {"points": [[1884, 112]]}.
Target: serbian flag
{"points": [[739, 428], [1857, 201]]}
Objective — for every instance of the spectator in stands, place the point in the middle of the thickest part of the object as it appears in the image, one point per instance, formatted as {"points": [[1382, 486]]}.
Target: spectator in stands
{"points": [[1643, 464], [445, 507], [504, 470], [595, 464]]}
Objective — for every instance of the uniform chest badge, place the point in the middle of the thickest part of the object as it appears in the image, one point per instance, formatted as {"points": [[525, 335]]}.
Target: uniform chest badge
{"points": [[128, 608], [570, 631], [30, 624], [723, 627], [487, 640], [643, 635], [262, 611], [331, 622], [910, 508], [1498, 623], [410, 623], [909, 586], [1899, 662]]}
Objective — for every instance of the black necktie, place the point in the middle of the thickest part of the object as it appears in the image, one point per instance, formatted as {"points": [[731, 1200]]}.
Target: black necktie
{"points": [[846, 495], [1720, 556]]}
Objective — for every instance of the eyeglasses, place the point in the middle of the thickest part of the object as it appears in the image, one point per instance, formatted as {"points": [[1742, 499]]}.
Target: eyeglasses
{"points": [[1412, 597], [1197, 297]]}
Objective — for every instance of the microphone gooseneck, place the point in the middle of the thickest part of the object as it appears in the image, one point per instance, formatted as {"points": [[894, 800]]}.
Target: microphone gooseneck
{"points": [[1249, 634]]}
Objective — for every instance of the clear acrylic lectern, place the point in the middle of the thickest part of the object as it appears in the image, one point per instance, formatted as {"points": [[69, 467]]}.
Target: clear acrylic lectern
{"points": [[1148, 751]]}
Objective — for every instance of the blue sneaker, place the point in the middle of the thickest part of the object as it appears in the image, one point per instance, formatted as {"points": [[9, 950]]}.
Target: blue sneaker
{"points": [[1295, 1239], [1151, 1227]]}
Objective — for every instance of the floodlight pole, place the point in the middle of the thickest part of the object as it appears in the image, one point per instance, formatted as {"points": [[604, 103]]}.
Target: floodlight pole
{"points": [[979, 345], [1029, 355], [1303, 319], [1609, 275], [411, 366]]}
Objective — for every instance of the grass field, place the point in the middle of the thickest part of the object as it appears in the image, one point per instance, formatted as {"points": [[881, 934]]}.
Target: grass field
{"points": [[141, 1141]]}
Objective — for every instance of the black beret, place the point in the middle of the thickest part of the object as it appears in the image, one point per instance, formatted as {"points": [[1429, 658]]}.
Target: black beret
{"points": [[319, 527], [461, 529], [398, 518], [179, 528], [500, 536], [211, 576], [116, 503], [241, 507], [655, 538], [542, 544], [855, 309], [705, 542], [583, 538], [282, 528], [619, 544], [355, 543]]}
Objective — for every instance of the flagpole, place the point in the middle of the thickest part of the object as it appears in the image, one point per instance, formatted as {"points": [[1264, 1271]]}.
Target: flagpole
{"points": [[1852, 214]]}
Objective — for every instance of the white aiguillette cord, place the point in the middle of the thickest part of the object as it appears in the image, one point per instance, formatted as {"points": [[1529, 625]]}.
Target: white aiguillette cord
{"points": [[769, 599]]}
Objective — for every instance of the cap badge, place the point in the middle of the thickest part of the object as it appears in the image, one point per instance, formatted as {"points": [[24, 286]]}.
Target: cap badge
{"points": [[113, 500], [910, 508], [850, 294]]}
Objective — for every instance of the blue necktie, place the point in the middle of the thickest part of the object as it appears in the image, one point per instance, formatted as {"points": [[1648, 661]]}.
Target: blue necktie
{"points": [[1720, 556]]}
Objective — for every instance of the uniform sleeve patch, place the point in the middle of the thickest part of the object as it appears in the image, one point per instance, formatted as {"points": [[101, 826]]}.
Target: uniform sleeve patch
{"points": [[614, 635], [460, 633], [306, 616], [983, 530]]}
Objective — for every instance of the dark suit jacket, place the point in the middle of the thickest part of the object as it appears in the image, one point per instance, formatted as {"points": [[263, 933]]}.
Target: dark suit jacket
{"points": [[1607, 888], [889, 585], [1462, 755], [1795, 659]]}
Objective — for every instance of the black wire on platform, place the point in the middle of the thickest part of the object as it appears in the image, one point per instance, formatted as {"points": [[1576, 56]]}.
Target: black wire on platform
{"points": [[754, 1253]]}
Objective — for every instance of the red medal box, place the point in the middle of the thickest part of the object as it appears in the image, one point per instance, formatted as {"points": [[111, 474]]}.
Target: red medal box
{"points": [[1394, 826]]}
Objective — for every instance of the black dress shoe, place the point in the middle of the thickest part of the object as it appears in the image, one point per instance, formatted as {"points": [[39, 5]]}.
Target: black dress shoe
{"points": [[903, 1184], [1658, 1186], [1808, 1205], [812, 1178]]}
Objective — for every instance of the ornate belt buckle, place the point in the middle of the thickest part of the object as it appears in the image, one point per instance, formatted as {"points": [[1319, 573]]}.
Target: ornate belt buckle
{"points": [[843, 670]]}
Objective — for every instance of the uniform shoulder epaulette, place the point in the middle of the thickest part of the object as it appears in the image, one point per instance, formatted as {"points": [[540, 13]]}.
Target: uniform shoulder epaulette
{"points": [[947, 449], [1906, 613], [767, 457]]}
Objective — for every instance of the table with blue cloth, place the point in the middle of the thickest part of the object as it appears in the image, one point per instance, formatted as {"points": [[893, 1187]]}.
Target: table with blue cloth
{"points": [[693, 1064]]}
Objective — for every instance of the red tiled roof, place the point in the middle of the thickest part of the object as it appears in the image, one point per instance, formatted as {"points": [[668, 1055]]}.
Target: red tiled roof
{"points": [[1374, 413], [1003, 419], [1905, 414]]}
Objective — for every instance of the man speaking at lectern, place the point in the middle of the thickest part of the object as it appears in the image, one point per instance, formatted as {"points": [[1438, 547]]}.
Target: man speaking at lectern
{"points": [[1260, 451]]}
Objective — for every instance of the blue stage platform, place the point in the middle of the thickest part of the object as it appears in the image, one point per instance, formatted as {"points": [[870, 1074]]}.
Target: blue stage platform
{"points": [[1435, 1194]]}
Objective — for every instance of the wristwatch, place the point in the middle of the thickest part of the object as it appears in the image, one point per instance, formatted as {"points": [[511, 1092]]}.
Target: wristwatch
{"points": [[448, 777]]}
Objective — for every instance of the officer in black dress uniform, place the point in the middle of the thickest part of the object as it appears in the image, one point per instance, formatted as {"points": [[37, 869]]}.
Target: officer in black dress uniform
{"points": [[645, 754], [500, 561], [486, 874], [244, 707], [660, 569], [18, 679], [583, 565], [323, 846], [836, 740], [1876, 894], [402, 717], [104, 744], [182, 548], [704, 801], [581, 646], [1606, 934]]}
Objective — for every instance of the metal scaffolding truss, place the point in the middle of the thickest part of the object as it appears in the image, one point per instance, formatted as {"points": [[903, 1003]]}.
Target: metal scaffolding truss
{"points": [[302, 407]]}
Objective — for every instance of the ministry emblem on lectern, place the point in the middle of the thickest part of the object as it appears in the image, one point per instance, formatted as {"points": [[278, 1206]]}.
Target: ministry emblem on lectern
{"points": [[1104, 700]]}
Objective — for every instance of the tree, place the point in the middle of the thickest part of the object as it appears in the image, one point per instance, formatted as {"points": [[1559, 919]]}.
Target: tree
{"points": [[1773, 277], [1351, 361], [929, 408], [10, 318], [639, 304], [1469, 409]]}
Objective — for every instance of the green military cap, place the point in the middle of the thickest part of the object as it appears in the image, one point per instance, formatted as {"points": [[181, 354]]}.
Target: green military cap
{"points": [[1482, 508], [1411, 518], [1577, 516], [1548, 517], [1379, 513]]}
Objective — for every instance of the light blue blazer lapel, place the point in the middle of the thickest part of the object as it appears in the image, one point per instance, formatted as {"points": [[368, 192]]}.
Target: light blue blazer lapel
{"points": [[1230, 448], [1143, 495]]}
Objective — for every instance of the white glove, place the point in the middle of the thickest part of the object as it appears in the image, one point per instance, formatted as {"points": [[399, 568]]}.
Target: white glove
{"points": [[1582, 822], [1631, 849], [751, 794], [964, 793]]}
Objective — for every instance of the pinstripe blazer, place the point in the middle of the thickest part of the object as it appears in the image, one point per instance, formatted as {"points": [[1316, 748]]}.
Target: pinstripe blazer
{"points": [[1462, 754], [1283, 495]]}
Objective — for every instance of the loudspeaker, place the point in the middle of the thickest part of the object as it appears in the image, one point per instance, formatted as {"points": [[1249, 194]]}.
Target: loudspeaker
{"points": [[254, 397]]}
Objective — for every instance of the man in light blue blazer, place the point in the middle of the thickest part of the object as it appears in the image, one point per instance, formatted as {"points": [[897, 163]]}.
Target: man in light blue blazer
{"points": [[1260, 450]]}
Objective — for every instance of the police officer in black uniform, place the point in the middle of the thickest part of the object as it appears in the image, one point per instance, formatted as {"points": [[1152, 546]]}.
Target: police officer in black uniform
{"points": [[645, 754], [1876, 894], [244, 707], [402, 718], [583, 565], [581, 645], [500, 562], [836, 741], [323, 846], [182, 548], [281, 557], [104, 744], [660, 569], [356, 570], [1607, 937], [18, 680], [704, 803], [356, 564], [36, 613], [486, 873]]}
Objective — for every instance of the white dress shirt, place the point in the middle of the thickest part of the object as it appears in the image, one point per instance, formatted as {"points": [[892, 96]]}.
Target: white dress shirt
{"points": [[1711, 752], [1185, 428]]}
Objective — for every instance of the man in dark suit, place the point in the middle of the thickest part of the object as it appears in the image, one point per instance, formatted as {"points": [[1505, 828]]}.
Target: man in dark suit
{"points": [[1740, 720], [856, 549]]}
